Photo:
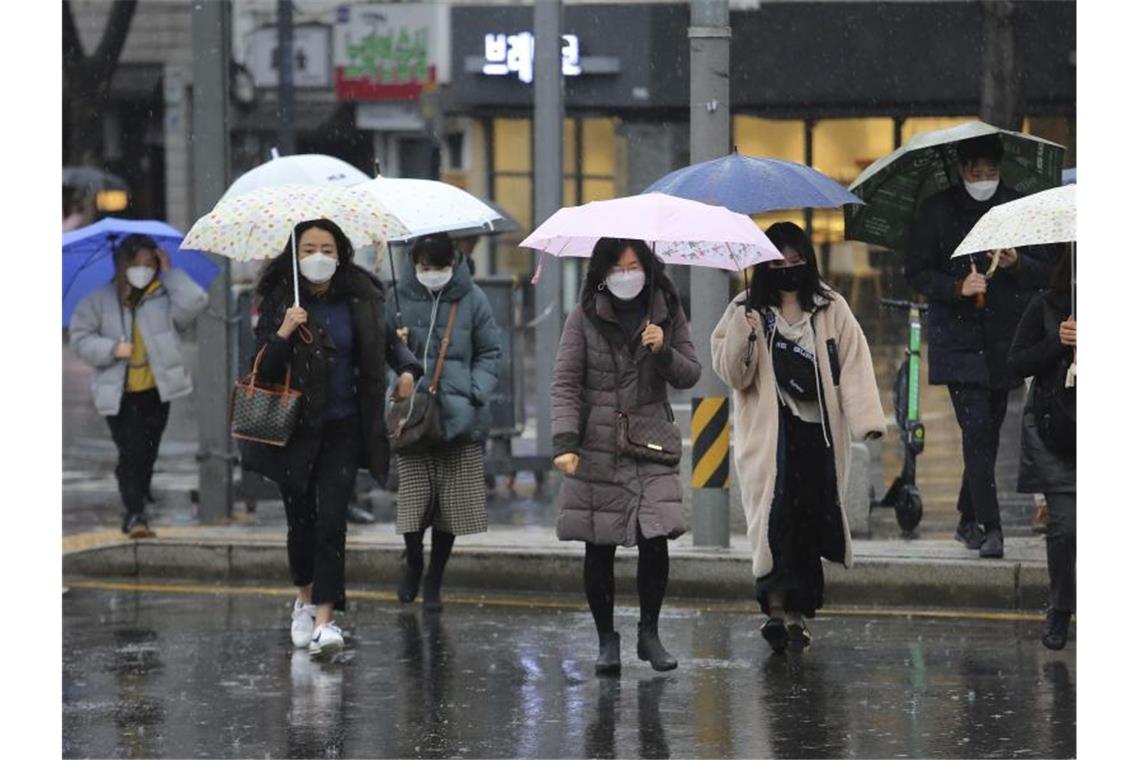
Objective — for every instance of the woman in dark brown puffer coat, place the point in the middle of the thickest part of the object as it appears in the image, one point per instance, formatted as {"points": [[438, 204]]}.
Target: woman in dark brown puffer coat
{"points": [[625, 342]]}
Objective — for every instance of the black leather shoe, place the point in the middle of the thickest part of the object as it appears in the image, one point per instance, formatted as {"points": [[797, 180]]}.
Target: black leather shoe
{"points": [[775, 632], [360, 516], [609, 654], [993, 545], [969, 534], [799, 634], [1056, 633], [650, 648], [409, 586]]}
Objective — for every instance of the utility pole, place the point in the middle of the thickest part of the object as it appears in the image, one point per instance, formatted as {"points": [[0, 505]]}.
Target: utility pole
{"points": [[548, 110], [211, 42], [709, 130], [287, 126]]}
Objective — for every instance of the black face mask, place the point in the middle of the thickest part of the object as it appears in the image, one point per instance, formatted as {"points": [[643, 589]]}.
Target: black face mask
{"points": [[788, 279]]}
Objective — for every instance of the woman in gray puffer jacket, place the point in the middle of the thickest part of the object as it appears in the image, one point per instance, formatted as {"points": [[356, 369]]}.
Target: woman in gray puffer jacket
{"points": [[128, 332], [623, 345]]}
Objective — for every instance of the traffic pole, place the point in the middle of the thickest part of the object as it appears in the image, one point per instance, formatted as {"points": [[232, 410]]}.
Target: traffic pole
{"points": [[287, 123], [210, 35], [548, 114], [709, 135]]}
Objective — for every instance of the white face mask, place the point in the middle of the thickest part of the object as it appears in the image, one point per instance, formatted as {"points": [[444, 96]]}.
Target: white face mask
{"points": [[982, 191], [434, 280], [626, 285], [140, 277], [318, 268]]}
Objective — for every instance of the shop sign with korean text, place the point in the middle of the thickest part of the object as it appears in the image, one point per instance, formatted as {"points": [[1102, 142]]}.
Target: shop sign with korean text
{"points": [[388, 51]]}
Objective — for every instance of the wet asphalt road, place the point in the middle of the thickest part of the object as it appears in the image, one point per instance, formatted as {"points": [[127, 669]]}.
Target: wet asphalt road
{"points": [[152, 674]]}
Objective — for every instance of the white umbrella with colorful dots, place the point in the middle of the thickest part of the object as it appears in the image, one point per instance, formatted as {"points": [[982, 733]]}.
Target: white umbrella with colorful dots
{"points": [[258, 224]]}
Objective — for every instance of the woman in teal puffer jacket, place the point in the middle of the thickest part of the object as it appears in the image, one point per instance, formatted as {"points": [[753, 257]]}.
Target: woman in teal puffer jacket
{"points": [[445, 489]]}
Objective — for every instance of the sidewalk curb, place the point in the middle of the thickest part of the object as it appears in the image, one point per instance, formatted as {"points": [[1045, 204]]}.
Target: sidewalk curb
{"points": [[1000, 585]]}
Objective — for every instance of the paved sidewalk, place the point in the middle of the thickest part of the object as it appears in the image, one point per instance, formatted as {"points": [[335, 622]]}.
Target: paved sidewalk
{"points": [[923, 573]]}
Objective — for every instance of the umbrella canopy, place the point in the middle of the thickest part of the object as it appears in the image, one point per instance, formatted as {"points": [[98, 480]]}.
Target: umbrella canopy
{"points": [[92, 180], [303, 169], [258, 224], [1046, 217], [750, 185], [896, 185], [425, 206], [87, 260], [679, 230]]}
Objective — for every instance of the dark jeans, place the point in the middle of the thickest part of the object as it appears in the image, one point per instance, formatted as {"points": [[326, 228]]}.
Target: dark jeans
{"points": [[317, 517], [980, 412], [1061, 550], [137, 430], [652, 579]]}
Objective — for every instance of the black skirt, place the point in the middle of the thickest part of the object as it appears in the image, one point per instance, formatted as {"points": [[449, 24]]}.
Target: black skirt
{"points": [[805, 523]]}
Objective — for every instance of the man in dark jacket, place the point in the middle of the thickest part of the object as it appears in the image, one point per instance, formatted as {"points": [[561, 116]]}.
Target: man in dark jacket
{"points": [[975, 304]]}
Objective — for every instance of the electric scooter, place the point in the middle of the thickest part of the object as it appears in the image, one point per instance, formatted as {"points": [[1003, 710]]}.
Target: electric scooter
{"points": [[903, 495]]}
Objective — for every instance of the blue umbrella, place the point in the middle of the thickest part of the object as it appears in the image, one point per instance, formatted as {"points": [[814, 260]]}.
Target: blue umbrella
{"points": [[87, 252], [754, 185]]}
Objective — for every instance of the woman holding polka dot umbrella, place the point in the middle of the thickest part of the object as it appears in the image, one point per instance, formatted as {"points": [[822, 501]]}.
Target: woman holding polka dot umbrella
{"points": [[322, 332]]}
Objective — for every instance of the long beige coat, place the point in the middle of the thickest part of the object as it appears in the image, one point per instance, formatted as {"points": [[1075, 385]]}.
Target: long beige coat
{"points": [[853, 409]]}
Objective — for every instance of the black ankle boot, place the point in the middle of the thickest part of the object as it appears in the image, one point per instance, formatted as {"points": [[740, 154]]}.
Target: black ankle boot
{"points": [[1056, 633], [409, 585], [432, 588], [609, 654], [650, 648]]}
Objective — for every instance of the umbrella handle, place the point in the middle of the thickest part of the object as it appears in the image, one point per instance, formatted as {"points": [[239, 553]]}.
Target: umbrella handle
{"points": [[395, 289], [980, 298], [296, 284]]}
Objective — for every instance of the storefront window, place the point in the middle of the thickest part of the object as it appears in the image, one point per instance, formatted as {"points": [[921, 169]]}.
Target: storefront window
{"points": [[769, 138], [588, 146], [1059, 129], [919, 124]]}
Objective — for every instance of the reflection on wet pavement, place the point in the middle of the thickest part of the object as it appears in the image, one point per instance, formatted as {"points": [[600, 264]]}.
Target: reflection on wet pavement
{"points": [[149, 674]]}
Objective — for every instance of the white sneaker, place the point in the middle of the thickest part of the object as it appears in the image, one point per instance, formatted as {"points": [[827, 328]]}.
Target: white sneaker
{"points": [[304, 618], [327, 640]]}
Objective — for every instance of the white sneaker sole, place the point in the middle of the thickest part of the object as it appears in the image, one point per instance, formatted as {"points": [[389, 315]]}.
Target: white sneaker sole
{"points": [[327, 649]]}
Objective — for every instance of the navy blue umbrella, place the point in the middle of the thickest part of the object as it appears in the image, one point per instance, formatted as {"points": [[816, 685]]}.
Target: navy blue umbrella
{"points": [[754, 185], [87, 253]]}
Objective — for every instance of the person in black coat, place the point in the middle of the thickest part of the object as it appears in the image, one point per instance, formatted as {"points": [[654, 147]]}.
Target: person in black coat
{"points": [[971, 322], [337, 347], [1045, 348]]}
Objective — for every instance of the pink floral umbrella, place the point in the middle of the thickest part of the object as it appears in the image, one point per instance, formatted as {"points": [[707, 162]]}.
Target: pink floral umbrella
{"points": [[680, 231]]}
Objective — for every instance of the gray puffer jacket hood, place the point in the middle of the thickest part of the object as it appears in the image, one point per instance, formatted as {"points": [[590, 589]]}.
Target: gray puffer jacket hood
{"points": [[100, 322], [596, 374]]}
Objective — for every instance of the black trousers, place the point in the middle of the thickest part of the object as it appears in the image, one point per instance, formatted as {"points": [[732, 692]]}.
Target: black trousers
{"points": [[652, 579], [1061, 550], [980, 412], [137, 431], [318, 516]]}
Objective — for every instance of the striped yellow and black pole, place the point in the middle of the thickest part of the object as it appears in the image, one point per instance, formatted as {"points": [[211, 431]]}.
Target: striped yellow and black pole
{"points": [[710, 442]]}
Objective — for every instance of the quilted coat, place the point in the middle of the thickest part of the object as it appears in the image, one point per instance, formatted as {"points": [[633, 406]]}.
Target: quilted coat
{"points": [[596, 373]]}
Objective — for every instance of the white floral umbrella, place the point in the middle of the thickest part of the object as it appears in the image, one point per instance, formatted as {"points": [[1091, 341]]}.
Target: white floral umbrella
{"points": [[1049, 216], [302, 169], [426, 207], [258, 224]]}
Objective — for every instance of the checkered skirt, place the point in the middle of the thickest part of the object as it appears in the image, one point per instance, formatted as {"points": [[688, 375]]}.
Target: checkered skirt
{"points": [[454, 476]]}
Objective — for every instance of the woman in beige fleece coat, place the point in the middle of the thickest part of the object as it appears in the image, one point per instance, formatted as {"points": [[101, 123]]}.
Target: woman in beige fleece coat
{"points": [[803, 388]]}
